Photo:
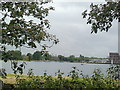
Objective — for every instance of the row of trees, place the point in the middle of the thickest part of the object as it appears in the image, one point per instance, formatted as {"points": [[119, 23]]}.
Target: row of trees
{"points": [[17, 55]]}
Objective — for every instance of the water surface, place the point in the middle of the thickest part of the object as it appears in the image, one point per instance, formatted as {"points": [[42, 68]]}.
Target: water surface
{"points": [[51, 67]]}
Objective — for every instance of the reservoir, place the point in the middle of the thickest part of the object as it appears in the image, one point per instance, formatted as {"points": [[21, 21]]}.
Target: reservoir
{"points": [[52, 67]]}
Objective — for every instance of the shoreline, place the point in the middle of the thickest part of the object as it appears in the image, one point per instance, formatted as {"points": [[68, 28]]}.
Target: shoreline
{"points": [[59, 61]]}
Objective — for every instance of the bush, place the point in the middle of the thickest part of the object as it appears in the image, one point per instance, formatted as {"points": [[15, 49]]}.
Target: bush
{"points": [[73, 81]]}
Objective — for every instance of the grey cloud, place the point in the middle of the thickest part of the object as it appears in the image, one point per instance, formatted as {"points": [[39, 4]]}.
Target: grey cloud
{"points": [[75, 37]]}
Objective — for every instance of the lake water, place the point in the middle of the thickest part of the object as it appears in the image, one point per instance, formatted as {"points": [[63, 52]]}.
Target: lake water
{"points": [[51, 67]]}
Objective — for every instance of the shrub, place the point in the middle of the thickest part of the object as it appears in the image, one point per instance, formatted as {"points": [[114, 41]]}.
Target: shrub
{"points": [[70, 83]]}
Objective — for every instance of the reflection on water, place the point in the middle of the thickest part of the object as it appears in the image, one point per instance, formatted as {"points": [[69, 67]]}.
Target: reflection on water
{"points": [[51, 67]]}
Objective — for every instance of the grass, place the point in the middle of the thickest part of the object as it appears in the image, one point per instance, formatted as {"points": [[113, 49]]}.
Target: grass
{"points": [[11, 79]]}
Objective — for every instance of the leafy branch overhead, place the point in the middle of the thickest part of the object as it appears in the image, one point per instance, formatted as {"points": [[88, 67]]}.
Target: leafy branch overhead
{"points": [[19, 31], [101, 16]]}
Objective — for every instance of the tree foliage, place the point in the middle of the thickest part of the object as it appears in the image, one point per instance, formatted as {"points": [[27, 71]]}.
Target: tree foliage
{"points": [[11, 55], [47, 56], [19, 31], [18, 27], [29, 56], [101, 16], [37, 55], [15, 55]]}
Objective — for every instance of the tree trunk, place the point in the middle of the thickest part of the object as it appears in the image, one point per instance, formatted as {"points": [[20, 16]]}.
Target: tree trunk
{"points": [[1, 84]]}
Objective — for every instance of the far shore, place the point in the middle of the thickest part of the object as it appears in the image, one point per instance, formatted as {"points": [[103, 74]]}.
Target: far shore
{"points": [[58, 61]]}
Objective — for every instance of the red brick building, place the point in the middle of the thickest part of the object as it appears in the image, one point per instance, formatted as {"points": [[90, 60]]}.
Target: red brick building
{"points": [[114, 58]]}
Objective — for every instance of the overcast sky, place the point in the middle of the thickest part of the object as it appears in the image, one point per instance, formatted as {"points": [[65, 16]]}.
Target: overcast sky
{"points": [[74, 34]]}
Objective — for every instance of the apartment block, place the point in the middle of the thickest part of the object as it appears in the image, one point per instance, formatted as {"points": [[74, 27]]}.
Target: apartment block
{"points": [[114, 58]]}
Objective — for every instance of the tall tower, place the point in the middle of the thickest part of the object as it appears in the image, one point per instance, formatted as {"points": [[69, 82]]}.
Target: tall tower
{"points": [[119, 37]]}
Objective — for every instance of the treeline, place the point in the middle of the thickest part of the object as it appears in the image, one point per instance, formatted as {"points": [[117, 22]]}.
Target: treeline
{"points": [[17, 55]]}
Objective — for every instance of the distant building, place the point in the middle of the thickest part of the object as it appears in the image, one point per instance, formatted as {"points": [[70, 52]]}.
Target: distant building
{"points": [[98, 61], [114, 58]]}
